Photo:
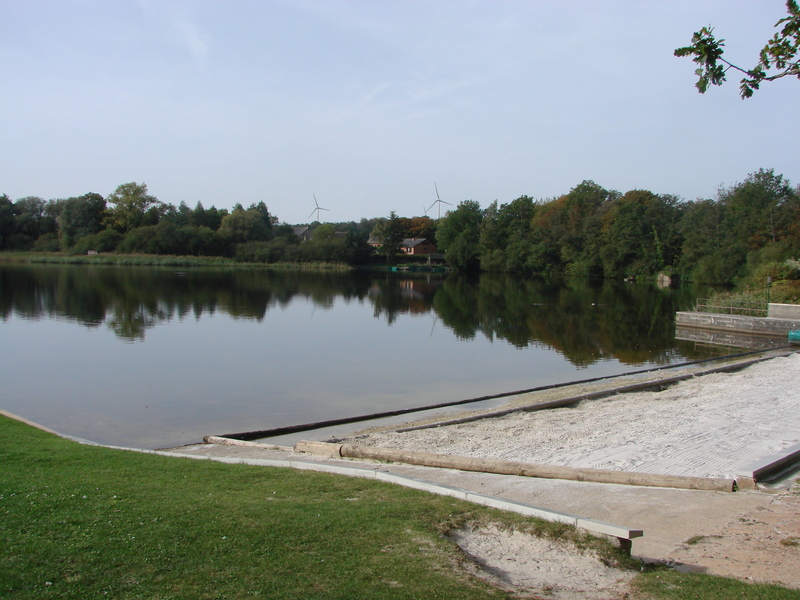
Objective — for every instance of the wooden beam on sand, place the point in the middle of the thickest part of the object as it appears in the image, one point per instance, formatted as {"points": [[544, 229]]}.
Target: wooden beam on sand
{"points": [[507, 467]]}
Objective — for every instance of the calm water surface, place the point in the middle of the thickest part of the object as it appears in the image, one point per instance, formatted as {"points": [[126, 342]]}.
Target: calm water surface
{"points": [[153, 357]]}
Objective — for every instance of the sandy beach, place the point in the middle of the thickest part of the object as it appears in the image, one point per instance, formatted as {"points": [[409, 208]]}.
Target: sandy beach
{"points": [[708, 426]]}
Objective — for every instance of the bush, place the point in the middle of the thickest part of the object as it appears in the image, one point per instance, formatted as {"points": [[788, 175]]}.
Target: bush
{"points": [[47, 243], [105, 241], [714, 269], [261, 252]]}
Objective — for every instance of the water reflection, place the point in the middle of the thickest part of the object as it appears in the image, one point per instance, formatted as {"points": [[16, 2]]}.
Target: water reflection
{"points": [[586, 321], [211, 351]]}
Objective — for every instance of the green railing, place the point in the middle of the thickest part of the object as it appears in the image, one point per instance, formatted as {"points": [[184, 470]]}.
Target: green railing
{"points": [[732, 307]]}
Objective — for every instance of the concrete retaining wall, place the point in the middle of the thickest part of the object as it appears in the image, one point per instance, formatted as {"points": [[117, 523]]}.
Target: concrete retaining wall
{"points": [[753, 325], [783, 311], [728, 338]]}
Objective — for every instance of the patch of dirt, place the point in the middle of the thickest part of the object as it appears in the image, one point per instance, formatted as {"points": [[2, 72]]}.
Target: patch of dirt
{"points": [[762, 545], [536, 567]]}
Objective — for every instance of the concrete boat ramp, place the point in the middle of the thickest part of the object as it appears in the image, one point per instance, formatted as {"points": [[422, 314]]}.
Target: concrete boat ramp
{"points": [[744, 533], [666, 516]]}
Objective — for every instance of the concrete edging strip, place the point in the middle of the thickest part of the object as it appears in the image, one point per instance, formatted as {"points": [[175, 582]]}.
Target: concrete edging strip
{"points": [[771, 464], [597, 527]]}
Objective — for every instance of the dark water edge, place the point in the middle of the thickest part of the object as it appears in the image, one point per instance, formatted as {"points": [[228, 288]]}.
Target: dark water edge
{"points": [[151, 357]]}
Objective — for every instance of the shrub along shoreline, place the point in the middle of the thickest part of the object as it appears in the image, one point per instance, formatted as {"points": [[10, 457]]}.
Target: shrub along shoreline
{"points": [[159, 260]]}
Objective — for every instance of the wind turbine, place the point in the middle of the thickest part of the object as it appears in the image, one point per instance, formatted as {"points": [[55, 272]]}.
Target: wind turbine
{"points": [[316, 210], [439, 201]]}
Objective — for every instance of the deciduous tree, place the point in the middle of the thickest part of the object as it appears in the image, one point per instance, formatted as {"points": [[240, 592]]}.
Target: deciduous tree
{"points": [[458, 235], [79, 217], [132, 207]]}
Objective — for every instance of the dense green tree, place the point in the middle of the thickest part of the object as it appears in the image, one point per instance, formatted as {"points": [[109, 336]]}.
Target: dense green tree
{"points": [[759, 210], [132, 207], [201, 241], [548, 228], [640, 234], [703, 233], [505, 238], [777, 59], [180, 216], [28, 213], [389, 232], [326, 231], [458, 235], [249, 225], [759, 217], [33, 218], [146, 239], [6, 221], [262, 209], [200, 216], [580, 246], [80, 216]]}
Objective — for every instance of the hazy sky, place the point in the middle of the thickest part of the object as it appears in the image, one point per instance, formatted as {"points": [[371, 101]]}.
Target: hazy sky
{"points": [[367, 103]]}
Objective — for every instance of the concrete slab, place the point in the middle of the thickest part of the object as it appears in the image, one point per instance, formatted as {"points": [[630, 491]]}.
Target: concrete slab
{"points": [[420, 484], [773, 463], [523, 509]]}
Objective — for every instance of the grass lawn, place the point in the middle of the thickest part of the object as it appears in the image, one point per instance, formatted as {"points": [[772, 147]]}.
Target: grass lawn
{"points": [[89, 522]]}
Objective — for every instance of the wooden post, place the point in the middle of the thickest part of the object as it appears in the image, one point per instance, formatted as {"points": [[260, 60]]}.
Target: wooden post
{"points": [[506, 467]]}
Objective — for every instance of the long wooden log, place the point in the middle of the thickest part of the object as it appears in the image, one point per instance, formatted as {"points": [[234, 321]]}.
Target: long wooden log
{"points": [[506, 467]]}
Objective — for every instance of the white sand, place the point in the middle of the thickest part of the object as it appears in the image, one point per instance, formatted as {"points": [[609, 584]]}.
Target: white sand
{"points": [[523, 563], [709, 426]]}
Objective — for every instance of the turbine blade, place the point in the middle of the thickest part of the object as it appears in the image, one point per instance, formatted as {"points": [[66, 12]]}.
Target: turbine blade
{"points": [[437, 190], [315, 200]]}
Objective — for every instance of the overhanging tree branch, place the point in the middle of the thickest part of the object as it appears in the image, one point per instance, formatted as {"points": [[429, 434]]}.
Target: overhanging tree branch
{"points": [[780, 53]]}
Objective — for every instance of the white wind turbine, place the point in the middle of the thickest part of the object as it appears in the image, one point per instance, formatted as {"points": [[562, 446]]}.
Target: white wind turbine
{"points": [[439, 201], [317, 209]]}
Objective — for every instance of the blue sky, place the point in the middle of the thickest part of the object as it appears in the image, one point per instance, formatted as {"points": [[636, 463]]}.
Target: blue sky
{"points": [[367, 103]]}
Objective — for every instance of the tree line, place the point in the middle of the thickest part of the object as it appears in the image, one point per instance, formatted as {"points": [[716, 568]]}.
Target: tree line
{"points": [[749, 229], [131, 220]]}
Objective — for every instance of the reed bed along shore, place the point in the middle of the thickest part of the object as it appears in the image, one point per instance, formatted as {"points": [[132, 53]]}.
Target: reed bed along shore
{"points": [[157, 260]]}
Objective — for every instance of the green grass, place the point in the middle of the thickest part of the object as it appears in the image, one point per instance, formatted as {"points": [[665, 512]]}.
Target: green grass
{"points": [[671, 585], [89, 522]]}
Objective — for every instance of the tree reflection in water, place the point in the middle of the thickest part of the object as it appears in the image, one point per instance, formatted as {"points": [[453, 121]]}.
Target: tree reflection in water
{"points": [[585, 320]]}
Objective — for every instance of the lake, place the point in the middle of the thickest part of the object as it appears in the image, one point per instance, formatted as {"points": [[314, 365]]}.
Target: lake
{"points": [[155, 357]]}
